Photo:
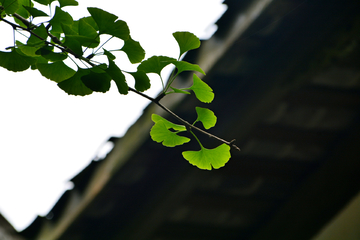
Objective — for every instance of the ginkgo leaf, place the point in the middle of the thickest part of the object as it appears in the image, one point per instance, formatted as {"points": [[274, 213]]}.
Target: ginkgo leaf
{"points": [[133, 50], [156, 118], [43, 2], [60, 18], [155, 64], [186, 41], [142, 81], [209, 158], [39, 31], [118, 77], [161, 134], [47, 53], [57, 71], [185, 66], [35, 12], [97, 81], [206, 116], [75, 85], [109, 54], [202, 91], [14, 61], [64, 3], [106, 23], [10, 6]]}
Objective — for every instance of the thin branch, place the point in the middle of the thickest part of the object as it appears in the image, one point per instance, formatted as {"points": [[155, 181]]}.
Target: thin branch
{"points": [[187, 124]]}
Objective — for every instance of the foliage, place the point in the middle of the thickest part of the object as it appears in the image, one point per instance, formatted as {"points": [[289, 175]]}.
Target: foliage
{"points": [[51, 43]]}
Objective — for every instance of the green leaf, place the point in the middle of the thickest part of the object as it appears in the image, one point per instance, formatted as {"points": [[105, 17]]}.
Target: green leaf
{"points": [[160, 133], [73, 43], [64, 3], [43, 2], [179, 90], [14, 61], [206, 116], [142, 81], [98, 81], [185, 66], [109, 54], [75, 85], [57, 71], [156, 118], [47, 53], [41, 32], [133, 50], [60, 18], [155, 64], [118, 77], [202, 91], [22, 11], [186, 41], [92, 39], [106, 23], [35, 12], [10, 6], [209, 158]]}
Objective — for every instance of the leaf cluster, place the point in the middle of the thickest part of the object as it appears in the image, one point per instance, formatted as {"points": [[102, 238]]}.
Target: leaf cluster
{"points": [[51, 44]]}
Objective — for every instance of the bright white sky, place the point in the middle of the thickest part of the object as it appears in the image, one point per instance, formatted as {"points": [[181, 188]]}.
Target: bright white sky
{"points": [[47, 136]]}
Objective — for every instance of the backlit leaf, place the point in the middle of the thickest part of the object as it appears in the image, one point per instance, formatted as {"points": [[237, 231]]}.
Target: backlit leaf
{"points": [[186, 41], [97, 81], [35, 12], [118, 77], [106, 23], [14, 61], [10, 6], [156, 118], [179, 90], [75, 85], [133, 50], [142, 81], [43, 2], [155, 64], [57, 71], [40, 31], [60, 18], [160, 133], [209, 158], [64, 3], [206, 116], [202, 91], [47, 53], [185, 66]]}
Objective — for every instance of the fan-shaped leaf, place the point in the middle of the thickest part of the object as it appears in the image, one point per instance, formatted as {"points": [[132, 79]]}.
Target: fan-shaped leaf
{"points": [[60, 18], [97, 81], [57, 71], [156, 118], [142, 81], [14, 61], [47, 53], [202, 91], [209, 158], [206, 116], [74, 85], [10, 6], [186, 41], [106, 23], [155, 64], [161, 134], [40, 31], [118, 77], [133, 50], [64, 3], [35, 12], [44, 2], [185, 66]]}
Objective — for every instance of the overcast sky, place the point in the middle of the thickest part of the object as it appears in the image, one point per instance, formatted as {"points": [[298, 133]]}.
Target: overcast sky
{"points": [[47, 136]]}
